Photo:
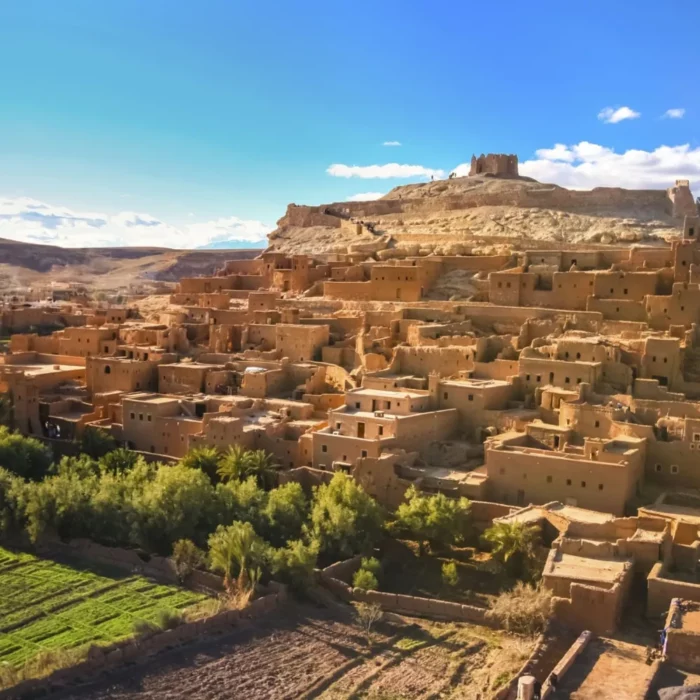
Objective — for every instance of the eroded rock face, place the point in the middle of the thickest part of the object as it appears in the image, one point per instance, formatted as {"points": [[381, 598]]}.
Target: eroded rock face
{"points": [[447, 216]]}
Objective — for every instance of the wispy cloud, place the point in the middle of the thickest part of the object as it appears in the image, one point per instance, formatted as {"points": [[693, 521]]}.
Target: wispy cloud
{"points": [[586, 165], [366, 196], [386, 171], [675, 113], [33, 221], [391, 143], [613, 116]]}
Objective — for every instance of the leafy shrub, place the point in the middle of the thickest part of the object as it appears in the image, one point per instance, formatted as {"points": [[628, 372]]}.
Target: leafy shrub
{"points": [[450, 576], [169, 619], [365, 579], [187, 557], [524, 609], [144, 628]]}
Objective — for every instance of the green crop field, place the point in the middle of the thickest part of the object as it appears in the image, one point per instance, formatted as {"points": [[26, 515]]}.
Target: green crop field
{"points": [[46, 606]]}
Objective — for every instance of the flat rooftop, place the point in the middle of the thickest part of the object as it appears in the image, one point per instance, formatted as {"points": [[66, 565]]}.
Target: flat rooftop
{"points": [[400, 393], [572, 566]]}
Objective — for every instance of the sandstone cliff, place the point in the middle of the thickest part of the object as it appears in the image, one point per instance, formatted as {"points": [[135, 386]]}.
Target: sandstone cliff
{"points": [[470, 212]]}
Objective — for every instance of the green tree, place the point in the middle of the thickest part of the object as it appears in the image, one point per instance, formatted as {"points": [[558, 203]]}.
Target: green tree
{"points": [[205, 459], [119, 460], [12, 499], [96, 442], [513, 544], [263, 467], [25, 456], [60, 505], [241, 500], [236, 550], [434, 519], [234, 464], [344, 520], [178, 503], [81, 465], [284, 513], [295, 563]]}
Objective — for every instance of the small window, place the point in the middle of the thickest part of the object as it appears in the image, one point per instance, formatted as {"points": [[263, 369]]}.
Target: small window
{"points": [[549, 479], [527, 377], [140, 416], [539, 378], [149, 417], [364, 453], [132, 416], [470, 397], [597, 424], [108, 370], [600, 487], [381, 430], [674, 469], [657, 467], [624, 291], [568, 482], [357, 404], [578, 355], [444, 396], [583, 484], [566, 354], [567, 380]]}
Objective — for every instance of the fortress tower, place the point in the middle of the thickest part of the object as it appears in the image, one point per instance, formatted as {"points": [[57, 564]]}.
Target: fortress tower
{"points": [[498, 164]]}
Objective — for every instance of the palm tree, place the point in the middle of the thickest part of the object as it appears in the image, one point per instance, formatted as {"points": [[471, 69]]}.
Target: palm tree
{"points": [[205, 459], [513, 544], [262, 465], [234, 464], [235, 547]]}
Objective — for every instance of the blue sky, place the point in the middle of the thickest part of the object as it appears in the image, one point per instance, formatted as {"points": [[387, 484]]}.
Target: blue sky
{"points": [[186, 123]]}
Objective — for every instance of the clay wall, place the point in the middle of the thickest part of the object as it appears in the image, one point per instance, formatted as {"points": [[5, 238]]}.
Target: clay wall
{"points": [[619, 309], [106, 374], [537, 372], [661, 590], [523, 476], [421, 361], [301, 343], [625, 285]]}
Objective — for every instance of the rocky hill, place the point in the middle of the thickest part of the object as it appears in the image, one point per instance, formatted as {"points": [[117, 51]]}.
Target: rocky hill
{"points": [[27, 265], [464, 213]]}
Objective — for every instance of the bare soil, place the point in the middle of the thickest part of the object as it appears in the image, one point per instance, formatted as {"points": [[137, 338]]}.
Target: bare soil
{"points": [[309, 652]]}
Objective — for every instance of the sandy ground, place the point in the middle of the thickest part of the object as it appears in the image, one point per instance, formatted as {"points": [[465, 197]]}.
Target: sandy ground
{"points": [[308, 652]]}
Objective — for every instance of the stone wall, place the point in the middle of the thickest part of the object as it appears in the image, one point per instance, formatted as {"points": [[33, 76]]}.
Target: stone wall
{"points": [[337, 576]]}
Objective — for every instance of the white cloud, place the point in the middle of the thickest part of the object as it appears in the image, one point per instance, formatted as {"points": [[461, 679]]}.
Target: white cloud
{"points": [[383, 171], [32, 221], [613, 116], [676, 113], [366, 196], [586, 165], [391, 143]]}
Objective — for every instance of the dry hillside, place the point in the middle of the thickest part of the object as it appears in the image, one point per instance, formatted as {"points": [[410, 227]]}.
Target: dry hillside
{"points": [[456, 215], [27, 264]]}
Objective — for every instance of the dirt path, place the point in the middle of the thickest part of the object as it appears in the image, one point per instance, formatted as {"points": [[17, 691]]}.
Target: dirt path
{"points": [[607, 670]]}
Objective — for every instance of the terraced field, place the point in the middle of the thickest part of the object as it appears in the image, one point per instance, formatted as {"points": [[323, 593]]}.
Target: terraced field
{"points": [[46, 606]]}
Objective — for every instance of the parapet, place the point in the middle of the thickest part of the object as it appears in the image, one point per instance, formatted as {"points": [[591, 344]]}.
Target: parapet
{"points": [[498, 164]]}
